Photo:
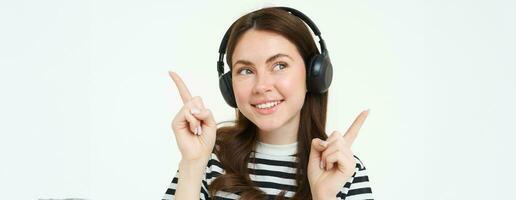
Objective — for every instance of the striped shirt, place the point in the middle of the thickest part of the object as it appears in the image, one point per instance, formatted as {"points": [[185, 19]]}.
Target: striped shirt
{"points": [[274, 170]]}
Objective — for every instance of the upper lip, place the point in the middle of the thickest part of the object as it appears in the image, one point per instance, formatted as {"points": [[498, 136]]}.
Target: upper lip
{"points": [[266, 101]]}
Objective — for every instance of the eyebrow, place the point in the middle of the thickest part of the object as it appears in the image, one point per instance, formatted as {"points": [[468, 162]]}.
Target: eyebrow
{"points": [[272, 58]]}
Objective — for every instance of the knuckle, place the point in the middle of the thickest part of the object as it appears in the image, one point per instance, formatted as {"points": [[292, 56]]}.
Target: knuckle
{"points": [[314, 141], [185, 114], [325, 154], [335, 133], [340, 142], [188, 104], [208, 111], [196, 98], [197, 101], [192, 125]]}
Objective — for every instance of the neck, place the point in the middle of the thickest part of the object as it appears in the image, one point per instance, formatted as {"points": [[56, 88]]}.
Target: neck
{"points": [[286, 134]]}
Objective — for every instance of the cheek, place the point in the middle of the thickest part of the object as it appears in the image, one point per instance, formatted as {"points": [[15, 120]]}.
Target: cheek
{"points": [[242, 92], [294, 89], [295, 83]]}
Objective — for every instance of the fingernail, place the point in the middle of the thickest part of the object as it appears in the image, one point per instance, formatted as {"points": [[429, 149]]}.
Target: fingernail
{"points": [[199, 130], [194, 131], [321, 165], [195, 111], [323, 143]]}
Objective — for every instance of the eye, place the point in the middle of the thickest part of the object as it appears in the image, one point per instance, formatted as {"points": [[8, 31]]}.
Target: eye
{"points": [[280, 66], [244, 71]]}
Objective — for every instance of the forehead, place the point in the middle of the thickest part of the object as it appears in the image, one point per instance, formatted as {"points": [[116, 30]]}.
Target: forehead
{"points": [[257, 46]]}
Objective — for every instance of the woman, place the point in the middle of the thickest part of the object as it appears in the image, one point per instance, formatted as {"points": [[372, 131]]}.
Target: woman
{"points": [[277, 148]]}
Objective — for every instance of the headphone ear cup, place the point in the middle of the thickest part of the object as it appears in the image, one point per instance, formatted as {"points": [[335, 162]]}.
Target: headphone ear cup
{"points": [[320, 74], [226, 88]]}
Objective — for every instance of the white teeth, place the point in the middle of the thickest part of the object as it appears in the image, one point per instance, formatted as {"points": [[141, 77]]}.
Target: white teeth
{"points": [[267, 105]]}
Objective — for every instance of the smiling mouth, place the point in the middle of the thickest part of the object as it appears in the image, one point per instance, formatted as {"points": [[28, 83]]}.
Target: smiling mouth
{"points": [[267, 105]]}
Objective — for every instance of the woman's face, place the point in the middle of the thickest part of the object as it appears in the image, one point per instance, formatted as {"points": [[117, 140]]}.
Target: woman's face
{"points": [[268, 80]]}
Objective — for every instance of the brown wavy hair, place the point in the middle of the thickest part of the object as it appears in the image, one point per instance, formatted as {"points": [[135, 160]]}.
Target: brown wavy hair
{"points": [[235, 144]]}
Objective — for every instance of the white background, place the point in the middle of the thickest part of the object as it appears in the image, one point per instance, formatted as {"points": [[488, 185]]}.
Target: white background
{"points": [[86, 102]]}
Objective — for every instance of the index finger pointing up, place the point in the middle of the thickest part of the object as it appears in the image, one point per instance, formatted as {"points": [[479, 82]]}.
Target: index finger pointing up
{"points": [[181, 87], [352, 132]]}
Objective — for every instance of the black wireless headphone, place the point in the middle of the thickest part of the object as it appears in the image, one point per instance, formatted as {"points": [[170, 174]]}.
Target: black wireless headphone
{"points": [[319, 70]]}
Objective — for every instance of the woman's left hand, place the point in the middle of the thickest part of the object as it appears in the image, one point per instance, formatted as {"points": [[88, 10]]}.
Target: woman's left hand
{"points": [[331, 162]]}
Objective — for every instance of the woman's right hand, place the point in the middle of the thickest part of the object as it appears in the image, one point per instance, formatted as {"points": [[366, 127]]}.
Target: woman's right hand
{"points": [[194, 126]]}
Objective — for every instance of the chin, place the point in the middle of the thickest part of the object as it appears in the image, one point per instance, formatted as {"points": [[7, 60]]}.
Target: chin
{"points": [[267, 125]]}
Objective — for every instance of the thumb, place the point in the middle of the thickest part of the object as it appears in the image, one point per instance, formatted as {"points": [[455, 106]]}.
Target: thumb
{"points": [[206, 116], [316, 148]]}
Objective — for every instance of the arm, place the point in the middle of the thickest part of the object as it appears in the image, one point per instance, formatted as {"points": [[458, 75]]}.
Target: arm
{"points": [[195, 131], [190, 179], [331, 162], [186, 184]]}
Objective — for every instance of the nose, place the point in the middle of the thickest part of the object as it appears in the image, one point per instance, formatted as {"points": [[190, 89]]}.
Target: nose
{"points": [[264, 83]]}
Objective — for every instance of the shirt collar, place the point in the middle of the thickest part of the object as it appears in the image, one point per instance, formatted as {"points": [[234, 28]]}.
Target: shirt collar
{"points": [[276, 149]]}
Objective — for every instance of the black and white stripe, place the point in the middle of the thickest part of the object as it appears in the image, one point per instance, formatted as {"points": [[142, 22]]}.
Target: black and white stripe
{"points": [[273, 174]]}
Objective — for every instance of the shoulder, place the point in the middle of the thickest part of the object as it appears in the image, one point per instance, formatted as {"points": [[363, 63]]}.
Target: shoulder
{"points": [[360, 174], [214, 162], [214, 168], [359, 164], [357, 186]]}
